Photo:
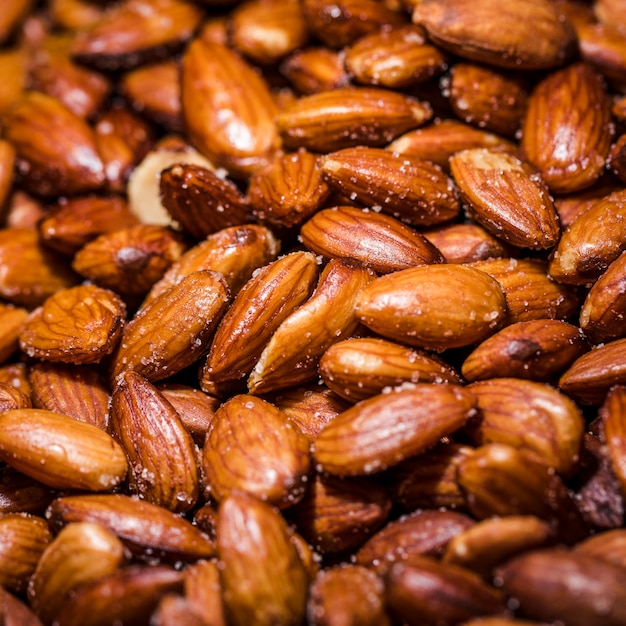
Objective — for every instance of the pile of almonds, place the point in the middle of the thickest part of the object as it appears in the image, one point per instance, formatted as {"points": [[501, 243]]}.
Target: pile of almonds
{"points": [[312, 313]]}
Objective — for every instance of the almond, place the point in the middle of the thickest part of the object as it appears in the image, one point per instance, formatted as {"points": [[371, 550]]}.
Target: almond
{"points": [[608, 546], [393, 307], [342, 118], [379, 241], [507, 197], [611, 411], [66, 454], [315, 69], [414, 191], [7, 163], [12, 320], [13, 398], [566, 133], [386, 429]]}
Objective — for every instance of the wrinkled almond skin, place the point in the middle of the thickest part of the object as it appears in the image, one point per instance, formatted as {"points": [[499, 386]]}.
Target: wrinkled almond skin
{"points": [[388, 428], [343, 118], [607, 546], [507, 197], [414, 191], [519, 35], [289, 190], [347, 594], [65, 454], [203, 592], [424, 591], [145, 529], [529, 416], [79, 554], [262, 576], [78, 325], [23, 539], [56, 149], [264, 302], [357, 369], [214, 79], [136, 31], [77, 391], [129, 260], [173, 331], [611, 413], [393, 307], [251, 446], [536, 350], [337, 515], [200, 201], [315, 69], [161, 453], [379, 241], [292, 355], [421, 533], [566, 133], [576, 588], [13, 398], [590, 377]]}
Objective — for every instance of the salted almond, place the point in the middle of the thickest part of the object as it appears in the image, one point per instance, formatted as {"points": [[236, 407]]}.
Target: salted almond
{"points": [[547, 584], [291, 357], [146, 529], [536, 350], [500, 480], [421, 533], [79, 554], [439, 141], [172, 331], [74, 390], [75, 455], [608, 546], [533, 417], [267, 30], [507, 197], [155, 91], [611, 411], [386, 429], [13, 398], [7, 163], [216, 79], [289, 190], [414, 191], [136, 31], [16, 375], [200, 201], [347, 592], [265, 301], [203, 592], [405, 306], [518, 35], [617, 158], [566, 133], [72, 222], [342, 118], [11, 321], [591, 242], [262, 576], [347, 20], [56, 149], [604, 309], [23, 539], [235, 252], [608, 10], [395, 58], [379, 241], [160, 452], [251, 446], [530, 293], [356, 369], [314, 69], [129, 260], [81, 324]]}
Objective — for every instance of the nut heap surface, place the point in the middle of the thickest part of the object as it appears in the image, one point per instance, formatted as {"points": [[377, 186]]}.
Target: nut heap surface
{"points": [[313, 313]]}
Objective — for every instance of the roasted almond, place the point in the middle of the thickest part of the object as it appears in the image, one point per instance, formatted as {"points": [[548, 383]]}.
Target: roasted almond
{"points": [[13, 398], [611, 411], [7, 163], [405, 306], [507, 197], [314, 69], [386, 429], [12, 320], [65, 454]]}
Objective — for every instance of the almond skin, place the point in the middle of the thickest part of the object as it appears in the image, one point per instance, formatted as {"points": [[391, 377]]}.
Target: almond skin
{"points": [[611, 414], [75, 455], [507, 197], [379, 241], [566, 133], [393, 307], [414, 191], [388, 428], [11, 322]]}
